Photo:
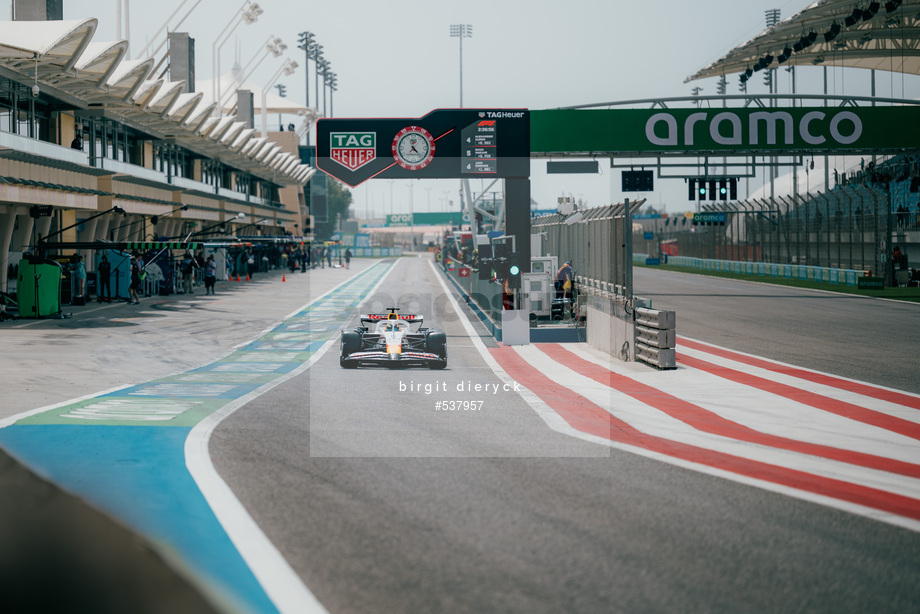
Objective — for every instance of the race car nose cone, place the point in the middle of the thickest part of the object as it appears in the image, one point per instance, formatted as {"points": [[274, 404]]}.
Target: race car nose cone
{"points": [[394, 351]]}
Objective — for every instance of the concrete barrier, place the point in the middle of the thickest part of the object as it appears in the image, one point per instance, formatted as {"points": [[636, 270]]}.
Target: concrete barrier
{"points": [[656, 337], [61, 555]]}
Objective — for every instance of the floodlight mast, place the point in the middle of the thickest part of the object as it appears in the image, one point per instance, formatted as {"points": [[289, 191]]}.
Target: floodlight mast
{"points": [[160, 31], [461, 31], [324, 68], [287, 69], [307, 42], [248, 13], [332, 80], [273, 47]]}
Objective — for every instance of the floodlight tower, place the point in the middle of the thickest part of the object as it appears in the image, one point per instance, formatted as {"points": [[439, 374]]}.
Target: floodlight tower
{"points": [[287, 69], [772, 17], [247, 14], [307, 42], [332, 80], [461, 31]]}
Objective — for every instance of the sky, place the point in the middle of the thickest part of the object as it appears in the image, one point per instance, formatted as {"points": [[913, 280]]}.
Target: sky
{"points": [[397, 59]]}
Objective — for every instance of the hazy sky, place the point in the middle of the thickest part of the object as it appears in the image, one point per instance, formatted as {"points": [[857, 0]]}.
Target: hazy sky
{"points": [[396, 59]]}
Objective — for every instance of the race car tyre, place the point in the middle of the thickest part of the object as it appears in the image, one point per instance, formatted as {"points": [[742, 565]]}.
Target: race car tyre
{"points": [[436, 343], [351, 343]]}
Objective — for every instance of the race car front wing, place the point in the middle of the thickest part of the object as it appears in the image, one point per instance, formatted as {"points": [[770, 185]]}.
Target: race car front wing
{"points": [[384, 357]]}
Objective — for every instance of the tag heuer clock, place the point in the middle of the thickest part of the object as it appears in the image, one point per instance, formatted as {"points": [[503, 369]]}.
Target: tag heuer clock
{"points": [[413, 148]]}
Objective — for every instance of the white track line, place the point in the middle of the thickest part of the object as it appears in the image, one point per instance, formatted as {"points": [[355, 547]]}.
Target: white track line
{"points": [[863, 400], [283, 586], [656, 423], [777, 415]]}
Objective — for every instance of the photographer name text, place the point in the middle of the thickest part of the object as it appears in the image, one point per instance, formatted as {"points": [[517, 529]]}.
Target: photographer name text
{"points": [[467, 386]]}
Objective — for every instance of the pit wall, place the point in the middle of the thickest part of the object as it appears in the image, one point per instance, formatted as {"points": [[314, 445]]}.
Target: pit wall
{"points": [[485, 299]]}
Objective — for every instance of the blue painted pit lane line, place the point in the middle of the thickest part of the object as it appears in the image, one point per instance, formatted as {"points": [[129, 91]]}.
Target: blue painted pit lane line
{"points": [[139, 453]]}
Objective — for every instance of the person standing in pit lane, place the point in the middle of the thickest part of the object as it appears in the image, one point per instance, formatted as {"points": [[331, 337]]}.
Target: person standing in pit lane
{"points": [[79, 279], [187, 268], [103, 275], [210, 275], [564, 278], [135, 282]]}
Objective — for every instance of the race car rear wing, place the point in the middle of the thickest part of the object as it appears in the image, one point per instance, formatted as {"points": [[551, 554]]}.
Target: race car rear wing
{"points": [[377, 317]]}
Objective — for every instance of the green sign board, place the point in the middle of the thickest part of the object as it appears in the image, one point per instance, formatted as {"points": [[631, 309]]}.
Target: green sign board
{"points": [[427, 219], [724, 130], [870, 283]]}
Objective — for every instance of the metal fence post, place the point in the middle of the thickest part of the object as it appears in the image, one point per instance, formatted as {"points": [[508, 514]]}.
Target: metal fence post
{"points": [[627, 213]]}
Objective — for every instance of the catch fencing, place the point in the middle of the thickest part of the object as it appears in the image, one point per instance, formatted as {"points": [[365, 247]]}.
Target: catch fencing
{"points": [[852, 227], [597, 241]]}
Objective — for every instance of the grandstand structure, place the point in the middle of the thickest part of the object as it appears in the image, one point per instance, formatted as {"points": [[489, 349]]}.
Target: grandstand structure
{"points": [[96, 148], [865, 211], [856, 215]]}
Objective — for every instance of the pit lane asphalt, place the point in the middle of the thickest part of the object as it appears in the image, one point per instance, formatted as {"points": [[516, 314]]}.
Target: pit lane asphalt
{"points": [[96, 348], [386, 532], [381, 503], [102, 346]]}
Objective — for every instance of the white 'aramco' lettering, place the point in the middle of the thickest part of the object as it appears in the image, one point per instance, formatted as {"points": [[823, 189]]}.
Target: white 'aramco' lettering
{"points": [[771, 119], [776, 127], [668, 141], [716, 133], [805, 130], [857, 127], [692, 119]]}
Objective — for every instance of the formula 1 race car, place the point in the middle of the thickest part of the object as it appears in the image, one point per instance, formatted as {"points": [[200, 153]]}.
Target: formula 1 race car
{"points": [[392, 344]]}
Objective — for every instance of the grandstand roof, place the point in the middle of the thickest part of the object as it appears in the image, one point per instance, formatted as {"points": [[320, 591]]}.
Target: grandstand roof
{"points": [[60, 55], [852, 33]]}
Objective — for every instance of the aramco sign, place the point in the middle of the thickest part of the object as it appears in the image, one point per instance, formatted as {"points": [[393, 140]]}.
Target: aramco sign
{"points": [[353, 149], [726, 131], [760, 128]]}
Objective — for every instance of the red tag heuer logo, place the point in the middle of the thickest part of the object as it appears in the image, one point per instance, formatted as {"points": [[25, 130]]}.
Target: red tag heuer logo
{"points": [[353, 149]]}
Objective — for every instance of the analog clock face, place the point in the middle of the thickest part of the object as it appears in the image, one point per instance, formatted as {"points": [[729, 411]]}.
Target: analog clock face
{"points": [[413, 148]]}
